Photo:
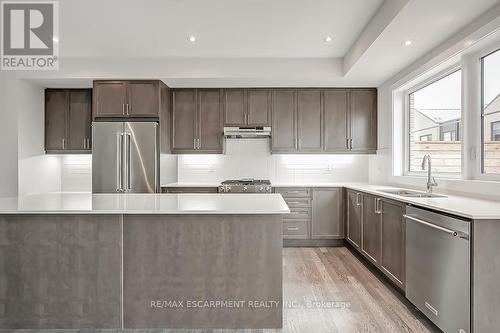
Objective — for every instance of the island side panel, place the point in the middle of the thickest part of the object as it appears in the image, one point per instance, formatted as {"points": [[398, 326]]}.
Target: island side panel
{"points": [[171, 260], [60, 271], [486, 276]]}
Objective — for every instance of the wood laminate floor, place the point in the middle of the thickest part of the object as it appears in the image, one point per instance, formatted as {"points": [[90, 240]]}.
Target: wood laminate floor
{"points": [[327, 290]]}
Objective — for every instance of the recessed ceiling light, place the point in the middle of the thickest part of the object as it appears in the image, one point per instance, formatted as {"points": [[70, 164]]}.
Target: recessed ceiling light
{"points": [[55, 39], [192, 38], [407, 42], [328, 39]]}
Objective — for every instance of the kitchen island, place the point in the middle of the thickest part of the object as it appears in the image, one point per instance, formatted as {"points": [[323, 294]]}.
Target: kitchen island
{"points": [[141, 261]]}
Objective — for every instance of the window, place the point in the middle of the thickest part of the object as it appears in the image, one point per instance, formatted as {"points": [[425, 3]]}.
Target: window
{"points": [[490, 68], [434, 120], [449, 136], [495, 131], [427, 137]]}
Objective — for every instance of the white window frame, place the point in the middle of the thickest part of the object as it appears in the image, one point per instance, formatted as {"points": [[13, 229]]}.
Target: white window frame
{"points": [[477, 113], [441, 75], [480, 167]]}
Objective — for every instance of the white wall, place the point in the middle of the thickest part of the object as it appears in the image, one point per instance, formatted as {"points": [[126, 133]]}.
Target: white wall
{"points": [[24, 167], [37, 172], [8, 142], [252, 158]]}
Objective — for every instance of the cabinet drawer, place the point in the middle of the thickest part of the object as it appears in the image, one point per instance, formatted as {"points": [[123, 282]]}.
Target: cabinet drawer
{"points": [[298, 214], [288, 192], [298, 229], [298, 202]]}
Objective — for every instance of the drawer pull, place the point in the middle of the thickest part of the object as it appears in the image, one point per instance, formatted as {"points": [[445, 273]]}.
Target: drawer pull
{"points": [[292, 228], [294, 202]]}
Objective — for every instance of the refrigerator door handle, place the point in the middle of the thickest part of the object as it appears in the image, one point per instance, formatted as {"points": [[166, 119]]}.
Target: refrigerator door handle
{"points": [[119, 164], [127, 162]]}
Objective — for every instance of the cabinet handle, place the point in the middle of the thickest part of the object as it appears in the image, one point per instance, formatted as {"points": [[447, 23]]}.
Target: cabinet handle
{"points": [[84, 143], [63, 143], [347, 144], [294, 202], [128, 109], [123, 109], [194, 143], [88, 143], [350, 144], [292, 228], [358, 199], [198, 143], [377, 206]]}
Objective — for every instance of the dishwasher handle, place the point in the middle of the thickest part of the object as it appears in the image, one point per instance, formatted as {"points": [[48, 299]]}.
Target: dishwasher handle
{"points": [[451, 232]]}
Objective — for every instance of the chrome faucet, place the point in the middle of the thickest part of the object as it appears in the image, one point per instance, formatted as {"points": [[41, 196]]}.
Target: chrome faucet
{"points": [[431, 181]]}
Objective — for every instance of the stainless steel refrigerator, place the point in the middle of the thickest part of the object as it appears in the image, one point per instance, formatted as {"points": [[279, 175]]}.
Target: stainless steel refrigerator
{"points": [[125, 157]]}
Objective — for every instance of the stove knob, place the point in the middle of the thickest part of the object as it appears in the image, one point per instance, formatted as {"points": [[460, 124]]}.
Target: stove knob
{"points": [[228, 188], [245, 188]]}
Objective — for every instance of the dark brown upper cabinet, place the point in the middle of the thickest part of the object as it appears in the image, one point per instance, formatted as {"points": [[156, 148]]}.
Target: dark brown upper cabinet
{"points": [[247, 107], [363, 120], [284, 121], [197, 121], [259, 107], [210, 131], [127, 99], [68, 120], [235, 107], [325, 121], [336, 114], [310, 120]]}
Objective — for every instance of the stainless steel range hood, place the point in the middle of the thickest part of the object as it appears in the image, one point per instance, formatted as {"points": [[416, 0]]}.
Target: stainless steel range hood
{"points": [[247, 132]]}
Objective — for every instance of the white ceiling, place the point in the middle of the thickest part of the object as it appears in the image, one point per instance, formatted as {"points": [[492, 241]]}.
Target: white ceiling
{"points": [[224, 28], [252, 42]]}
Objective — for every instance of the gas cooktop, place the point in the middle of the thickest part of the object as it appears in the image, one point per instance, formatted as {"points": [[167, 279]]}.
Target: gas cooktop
{"points": [[245, 185]]}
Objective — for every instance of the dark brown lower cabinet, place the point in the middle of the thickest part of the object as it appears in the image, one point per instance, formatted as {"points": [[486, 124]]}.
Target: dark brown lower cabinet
{"points": [[392, 260], [327, 213], [376, 229], [354, 218], [370, 231]]}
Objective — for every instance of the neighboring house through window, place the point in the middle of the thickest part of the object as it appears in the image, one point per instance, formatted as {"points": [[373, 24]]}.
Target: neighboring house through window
{"points": [[450, 136], [427, 137], [495, 131], [434, 116]]}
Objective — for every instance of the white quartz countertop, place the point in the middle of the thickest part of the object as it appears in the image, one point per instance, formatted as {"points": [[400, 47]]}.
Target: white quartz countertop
{"points": [[464, 206], [133, 203], [468, 207]]}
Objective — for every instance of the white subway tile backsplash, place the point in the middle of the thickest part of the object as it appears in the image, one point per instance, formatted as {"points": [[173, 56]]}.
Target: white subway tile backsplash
{"points": [[76, 173], [252, 158], [249, 158]]}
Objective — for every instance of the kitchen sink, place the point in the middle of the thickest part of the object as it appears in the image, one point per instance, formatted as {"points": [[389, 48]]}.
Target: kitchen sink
{"points": [[412, 194]]}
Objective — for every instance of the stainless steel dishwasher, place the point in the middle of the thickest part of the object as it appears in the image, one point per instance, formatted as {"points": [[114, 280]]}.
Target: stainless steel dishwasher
{"points": [[438, 268]]}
